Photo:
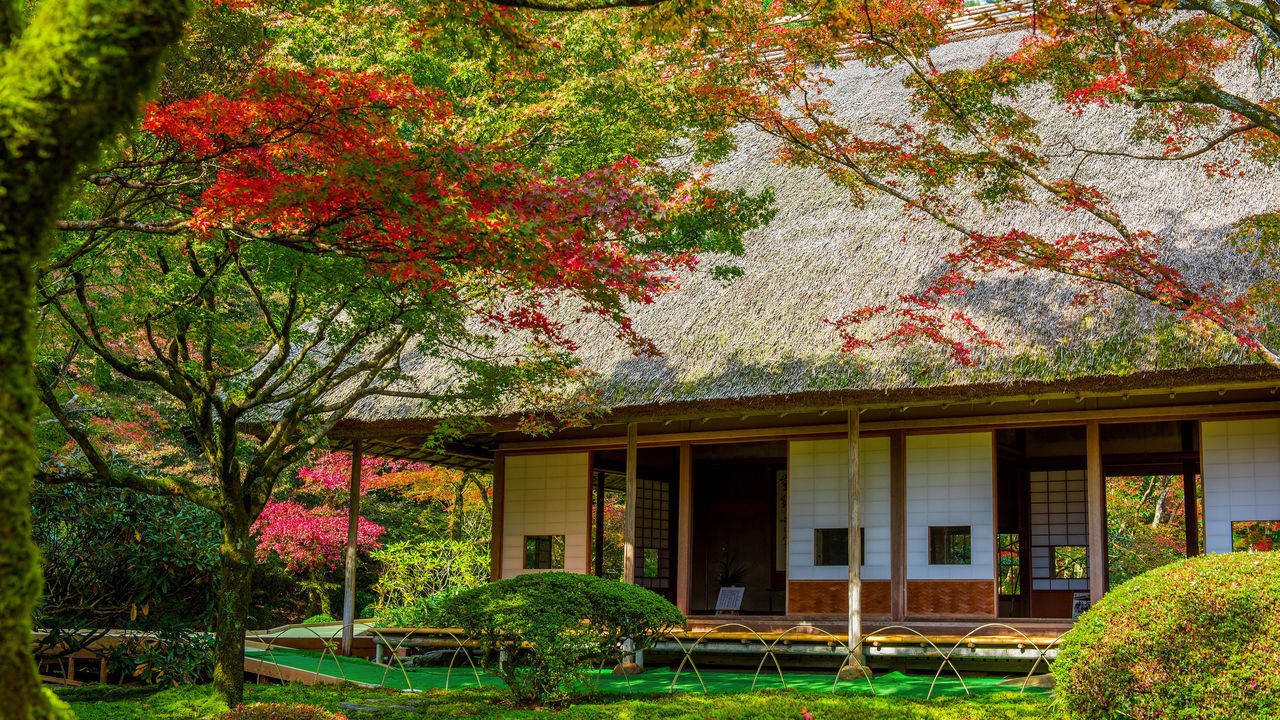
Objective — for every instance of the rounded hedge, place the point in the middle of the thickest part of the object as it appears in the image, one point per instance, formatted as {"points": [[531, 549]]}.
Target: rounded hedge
{"points": [[1198, 638], [541, 631]]}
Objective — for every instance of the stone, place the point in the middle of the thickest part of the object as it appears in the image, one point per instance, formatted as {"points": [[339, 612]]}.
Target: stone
{"points": [[356, 707], [854, 671], [1036, 681], [628, 668]]}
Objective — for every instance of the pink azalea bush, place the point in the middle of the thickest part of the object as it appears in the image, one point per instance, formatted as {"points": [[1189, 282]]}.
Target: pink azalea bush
{"points": [[1198, 639], [309, 539]]}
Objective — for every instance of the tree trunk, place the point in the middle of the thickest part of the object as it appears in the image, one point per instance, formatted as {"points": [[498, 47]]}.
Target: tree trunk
{"points": [[232, 611], [19, 557], [68, 81]]}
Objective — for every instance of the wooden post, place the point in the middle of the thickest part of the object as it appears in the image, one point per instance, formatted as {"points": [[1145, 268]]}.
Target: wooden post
{"points": [[855, 548], [898, 525], [496, 515], [629, 517], [1097, 496], [353, 526], [1190, 507], [598, 534], [684, 531]]}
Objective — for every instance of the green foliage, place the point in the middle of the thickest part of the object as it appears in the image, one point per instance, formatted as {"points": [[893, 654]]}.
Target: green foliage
{"points": [[318, 619], [174, 657], [279, 711], [540, 631], [1198, 639], [419, 612], [415, 570], [115, 558], [189, 703], [1146, 524]]}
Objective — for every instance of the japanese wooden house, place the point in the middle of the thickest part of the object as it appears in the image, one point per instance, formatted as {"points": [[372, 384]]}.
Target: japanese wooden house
{"points": [[741, 449]]}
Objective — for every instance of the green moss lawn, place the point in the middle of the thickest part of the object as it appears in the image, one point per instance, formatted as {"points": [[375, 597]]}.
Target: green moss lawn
{"points": [[183, 703]]}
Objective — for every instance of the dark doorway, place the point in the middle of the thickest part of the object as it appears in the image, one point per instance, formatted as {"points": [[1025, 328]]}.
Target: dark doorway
{"points": [[739, 525]]}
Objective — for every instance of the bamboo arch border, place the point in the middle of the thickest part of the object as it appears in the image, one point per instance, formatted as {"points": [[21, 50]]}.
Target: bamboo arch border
{"points": [[770, 652]]}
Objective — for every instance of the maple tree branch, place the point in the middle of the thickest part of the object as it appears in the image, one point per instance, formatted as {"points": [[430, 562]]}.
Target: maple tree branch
{"points": [[1021, 168], [1209, 145], [1263, 25], [1193, 90], [574, 6], [103, 474], [172, 227], [168, 486]]}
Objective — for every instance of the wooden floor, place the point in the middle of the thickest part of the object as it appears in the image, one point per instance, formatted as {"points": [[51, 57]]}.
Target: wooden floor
{"points": [[1011, 630], [836, 625]]}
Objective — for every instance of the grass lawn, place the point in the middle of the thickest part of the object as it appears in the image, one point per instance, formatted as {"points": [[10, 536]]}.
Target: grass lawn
{"points": [[191, 702]]}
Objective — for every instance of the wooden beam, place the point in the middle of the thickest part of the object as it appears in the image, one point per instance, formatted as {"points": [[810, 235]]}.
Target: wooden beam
{"points": [[855, 544], [919, 425], [898, 526], [353, 527], [1097, 497], [497, 515], [684, 537], [629, 516]]}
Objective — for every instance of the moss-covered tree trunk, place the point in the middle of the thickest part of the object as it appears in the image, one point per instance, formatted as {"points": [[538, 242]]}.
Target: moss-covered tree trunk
{"points": [[68, 82], [232, 611]]}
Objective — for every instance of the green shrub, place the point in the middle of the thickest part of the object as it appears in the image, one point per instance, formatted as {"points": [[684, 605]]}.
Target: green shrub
{"points": [[415, 569], [175, 656], [280, 711], [420, 612], [318, 619], [1199, 638], [540, 632]]}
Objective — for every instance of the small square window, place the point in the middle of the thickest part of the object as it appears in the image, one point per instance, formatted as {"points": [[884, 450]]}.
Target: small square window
{"points": [[831, 546], [1261, 535], [543, 552], [649, 562], [950, 545], [1071, 562]]}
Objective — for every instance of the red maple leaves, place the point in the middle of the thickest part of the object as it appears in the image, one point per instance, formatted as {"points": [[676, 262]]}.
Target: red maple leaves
{"points": [[366, 166]]}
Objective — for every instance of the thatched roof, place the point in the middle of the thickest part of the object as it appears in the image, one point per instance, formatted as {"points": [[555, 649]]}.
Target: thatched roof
{"points": [[765, 334]]}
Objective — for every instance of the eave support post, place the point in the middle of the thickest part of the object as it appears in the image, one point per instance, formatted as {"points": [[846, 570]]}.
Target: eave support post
{"points": [[684, 530], [855, 666], [631, 663], [353, 526], [898, 525], [497, 515], [1097, 505], [629, 513]]}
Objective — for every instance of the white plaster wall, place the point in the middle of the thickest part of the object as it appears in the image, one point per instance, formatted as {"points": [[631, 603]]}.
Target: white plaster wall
{"points": [[818, 490], [1241, 476], [949, 480], [545, 495]]}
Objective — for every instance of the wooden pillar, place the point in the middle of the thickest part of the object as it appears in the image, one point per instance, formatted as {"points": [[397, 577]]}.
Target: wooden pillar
{"points": [[353, 527], [1097, 496], [855, 545], [629, 517], [684, 531], [598, 535], [898, 525], [497, 514], [1190, 508]]}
